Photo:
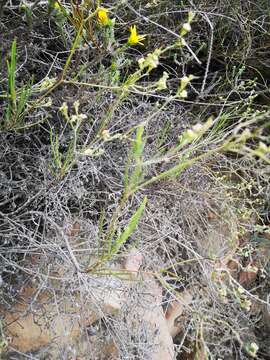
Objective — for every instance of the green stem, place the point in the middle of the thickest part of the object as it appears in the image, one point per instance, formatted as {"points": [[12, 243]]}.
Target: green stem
{"points": [[72, 51]]}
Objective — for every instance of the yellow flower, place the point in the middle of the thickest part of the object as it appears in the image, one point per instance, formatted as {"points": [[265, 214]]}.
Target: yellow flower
{"points": [[103, 17], [134, 38]]}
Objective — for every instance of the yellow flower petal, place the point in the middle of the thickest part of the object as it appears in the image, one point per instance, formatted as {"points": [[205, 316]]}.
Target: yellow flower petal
{"points": [[134, 38], [103, 17]]}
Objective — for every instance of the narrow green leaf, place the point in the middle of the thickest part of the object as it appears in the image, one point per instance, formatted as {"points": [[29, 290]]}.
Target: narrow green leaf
{"points": [[129, 230], [11, 72], [24, 96], [137, 152]]}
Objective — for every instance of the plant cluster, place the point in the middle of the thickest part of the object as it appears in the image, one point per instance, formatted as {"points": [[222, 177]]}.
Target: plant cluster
{"points": [[145, 126]]}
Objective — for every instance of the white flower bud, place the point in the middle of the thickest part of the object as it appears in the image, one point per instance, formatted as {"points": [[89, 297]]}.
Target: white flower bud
{"points": [[186, 28]]}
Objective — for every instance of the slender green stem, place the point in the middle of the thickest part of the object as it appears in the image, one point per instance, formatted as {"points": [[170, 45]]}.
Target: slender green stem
{"points": [[72, 51], [177, 169]]}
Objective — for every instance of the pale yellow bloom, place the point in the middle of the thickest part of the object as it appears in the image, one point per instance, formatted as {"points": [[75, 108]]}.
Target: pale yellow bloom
{"points": [[103, 17], [191, 16], [151, 61], [162, 82], [134, 38], [183, 94]]}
